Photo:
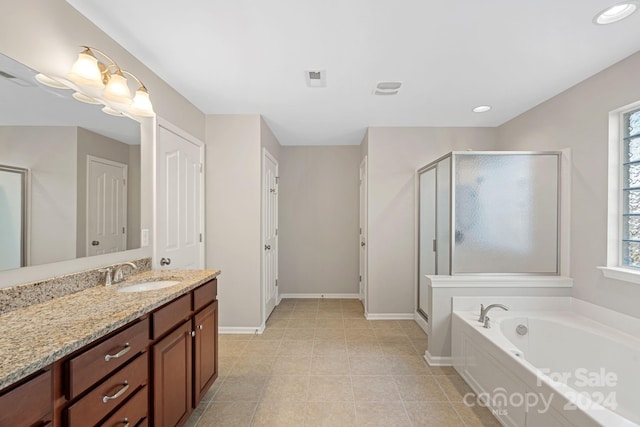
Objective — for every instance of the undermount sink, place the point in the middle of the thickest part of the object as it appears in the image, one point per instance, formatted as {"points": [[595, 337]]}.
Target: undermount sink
{"points": [[148, 286]]}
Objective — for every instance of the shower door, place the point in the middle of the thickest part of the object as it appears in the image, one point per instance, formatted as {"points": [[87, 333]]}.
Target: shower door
{"points": [[427, 235], [13, 214]]}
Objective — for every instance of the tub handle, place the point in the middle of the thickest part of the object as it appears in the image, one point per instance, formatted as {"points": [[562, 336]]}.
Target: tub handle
{"points": [[487, 322]]}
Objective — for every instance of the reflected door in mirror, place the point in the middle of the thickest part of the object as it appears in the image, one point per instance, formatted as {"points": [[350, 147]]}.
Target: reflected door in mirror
{"points": [[12, 217], [107, 206]]}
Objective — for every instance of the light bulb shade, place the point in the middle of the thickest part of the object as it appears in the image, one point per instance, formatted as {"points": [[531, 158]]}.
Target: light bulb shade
{"points": [[142, 104], [112, 112], [50, 81], [117, 90], [86, 72], [85, 98]]}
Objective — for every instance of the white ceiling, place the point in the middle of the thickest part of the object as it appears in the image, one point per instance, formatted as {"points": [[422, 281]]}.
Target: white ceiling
{"points": [[249, 56]]}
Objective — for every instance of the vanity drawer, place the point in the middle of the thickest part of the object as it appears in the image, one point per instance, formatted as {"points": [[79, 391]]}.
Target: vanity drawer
{"points": [[169, 316], [89, 367], [132, 412], [28, 404], [205, 294], [109, 394]]}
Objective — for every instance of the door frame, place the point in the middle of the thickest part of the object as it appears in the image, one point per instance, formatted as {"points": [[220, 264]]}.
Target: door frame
{"points": [[363, 221], [162, 123], [263, 288], [125, 168]]}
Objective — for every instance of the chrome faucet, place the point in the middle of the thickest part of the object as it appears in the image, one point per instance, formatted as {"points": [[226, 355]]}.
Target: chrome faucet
{"points": [[118, 274], [484, 311], [115, 274]]}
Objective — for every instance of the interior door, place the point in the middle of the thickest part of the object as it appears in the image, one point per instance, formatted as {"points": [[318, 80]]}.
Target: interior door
{"points": [[179, 200], [106, 206], [363, 234], [13, 215], [427, 236], [270, 232]]}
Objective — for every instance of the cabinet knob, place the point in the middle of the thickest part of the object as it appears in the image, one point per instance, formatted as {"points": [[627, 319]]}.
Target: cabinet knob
{"points": [[193, 333], [200, 327]]}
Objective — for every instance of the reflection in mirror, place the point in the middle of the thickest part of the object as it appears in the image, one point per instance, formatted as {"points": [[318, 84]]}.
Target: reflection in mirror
{"points": [[81, 174]]}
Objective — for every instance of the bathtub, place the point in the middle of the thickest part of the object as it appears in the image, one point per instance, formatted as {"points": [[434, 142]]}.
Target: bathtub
{"points": [[539, 368]]}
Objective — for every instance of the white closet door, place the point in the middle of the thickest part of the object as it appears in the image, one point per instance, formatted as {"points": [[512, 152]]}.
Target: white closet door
{"points": [[179, 204]]}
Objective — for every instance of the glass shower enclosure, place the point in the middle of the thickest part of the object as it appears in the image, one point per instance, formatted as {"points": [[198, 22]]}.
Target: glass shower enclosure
{"points": [[492, 212]]}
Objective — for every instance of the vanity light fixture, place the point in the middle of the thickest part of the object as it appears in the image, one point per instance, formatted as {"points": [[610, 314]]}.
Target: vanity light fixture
{"points": [[616, 13], [105, 83], [482, 109]]}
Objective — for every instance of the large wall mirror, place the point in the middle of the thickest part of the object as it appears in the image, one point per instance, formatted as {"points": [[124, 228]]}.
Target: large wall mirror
{"points": [[69, 175]]}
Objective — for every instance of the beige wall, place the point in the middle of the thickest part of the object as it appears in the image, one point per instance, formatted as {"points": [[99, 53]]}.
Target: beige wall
{"points": [[578, 118], [46, 34], [53, 197], [318, 214], [232, 197], [394, 155]]}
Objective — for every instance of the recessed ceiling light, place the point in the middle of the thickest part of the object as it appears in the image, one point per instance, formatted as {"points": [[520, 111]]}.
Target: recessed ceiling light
{"points": [[482, 109], [615, 13], [387, 88]]}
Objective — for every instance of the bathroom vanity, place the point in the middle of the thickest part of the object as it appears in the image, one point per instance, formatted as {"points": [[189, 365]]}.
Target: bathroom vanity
{"points": [[106, 357]]}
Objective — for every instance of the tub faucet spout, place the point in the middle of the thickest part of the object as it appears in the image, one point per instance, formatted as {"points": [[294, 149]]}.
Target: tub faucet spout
{"points": [[485, 310]]}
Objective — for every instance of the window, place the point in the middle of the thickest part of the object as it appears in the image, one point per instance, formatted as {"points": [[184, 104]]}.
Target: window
{"points": [[623, 220], [630, 256]]}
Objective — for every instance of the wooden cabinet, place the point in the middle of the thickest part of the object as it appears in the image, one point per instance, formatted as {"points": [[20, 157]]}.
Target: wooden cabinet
{"points": [[152, 371], [109, 394], [184, 360], [132, 413], [91, 365], [29, 403], [205, 351], [172, 384]]}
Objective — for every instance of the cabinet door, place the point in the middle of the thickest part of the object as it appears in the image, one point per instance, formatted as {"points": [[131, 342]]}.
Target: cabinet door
{"points": [[206, 351], [28, 404], [172, 378]]}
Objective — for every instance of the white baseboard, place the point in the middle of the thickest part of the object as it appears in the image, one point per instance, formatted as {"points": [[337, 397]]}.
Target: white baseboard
{"points": [[389, 316], [321, 296], [438, 360], [278, 299], [240, 329], [421, 322]]}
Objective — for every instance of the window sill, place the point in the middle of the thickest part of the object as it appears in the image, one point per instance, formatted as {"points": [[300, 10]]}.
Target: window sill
{"points": [[620, 273]]}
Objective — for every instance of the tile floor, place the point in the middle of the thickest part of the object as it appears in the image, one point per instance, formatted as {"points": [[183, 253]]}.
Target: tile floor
{"points": [[320, 363]]}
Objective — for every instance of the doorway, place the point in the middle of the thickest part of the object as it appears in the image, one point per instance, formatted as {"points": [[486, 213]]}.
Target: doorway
{"points": [[363, 235], [269, 232], [179, 222], [106, 206], [13, 217]]}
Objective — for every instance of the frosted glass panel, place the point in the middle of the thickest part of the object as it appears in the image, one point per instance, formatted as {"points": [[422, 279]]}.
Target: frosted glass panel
{"points": [[506, 214]]}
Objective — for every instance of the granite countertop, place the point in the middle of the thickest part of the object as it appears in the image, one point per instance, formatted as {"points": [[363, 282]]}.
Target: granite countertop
{"points": [[33, 337]]}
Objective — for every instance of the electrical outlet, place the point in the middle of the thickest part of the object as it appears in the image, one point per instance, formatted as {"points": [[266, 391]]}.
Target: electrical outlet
{"points": [[144, 238]]}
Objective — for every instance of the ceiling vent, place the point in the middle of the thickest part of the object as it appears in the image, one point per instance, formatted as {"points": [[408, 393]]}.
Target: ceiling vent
{"points": [[15, 80], [316, 78], [387, 88]]}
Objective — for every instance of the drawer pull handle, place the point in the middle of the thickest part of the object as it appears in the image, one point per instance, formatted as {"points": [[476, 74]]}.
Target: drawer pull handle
{"points": [[125, 387], [125, 422], [121, 353]]}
